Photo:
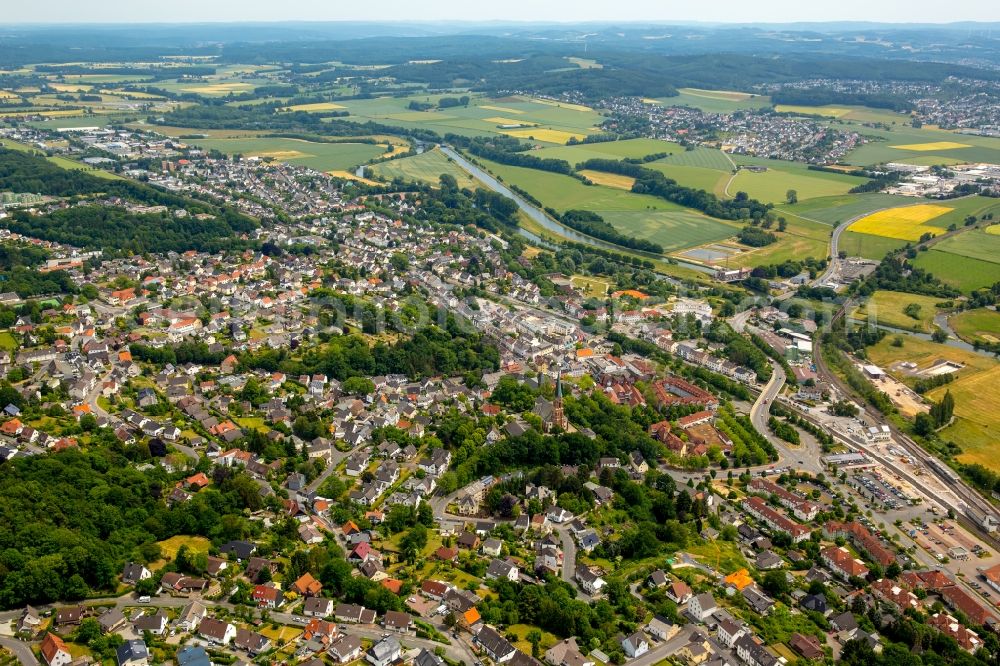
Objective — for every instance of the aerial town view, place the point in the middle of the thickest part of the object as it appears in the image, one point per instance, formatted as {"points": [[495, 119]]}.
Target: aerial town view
{"points": [[438, 334]]}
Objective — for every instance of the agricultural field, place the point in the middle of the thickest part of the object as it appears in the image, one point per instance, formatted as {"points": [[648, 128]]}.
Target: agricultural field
{"points": [[714, 101], [837, 209], [925, 146], [772, 185], [313, 155], [608, 179], [318, 106], [608, 150], [905, 223], [957, 271], [710, 180], [550, 123], [889, 308], [426, 167], [802, 238], [980, 325], [674, 230], [974, 244], [706, 158], [861, 114], [976, 390]]}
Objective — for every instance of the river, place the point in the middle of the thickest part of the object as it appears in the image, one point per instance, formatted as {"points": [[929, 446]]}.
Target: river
{"points": [[539, 216]]}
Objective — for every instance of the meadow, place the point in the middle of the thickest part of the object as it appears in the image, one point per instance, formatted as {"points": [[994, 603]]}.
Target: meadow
{"points": [[862, 114], [613, 150], [977, 325], [714, 101], [772, 185], [957, 271], [887, 307], [426, 167], [802, 238]]}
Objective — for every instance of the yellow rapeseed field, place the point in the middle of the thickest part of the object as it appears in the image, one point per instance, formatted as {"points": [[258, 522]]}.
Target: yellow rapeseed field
{"points": [[499, 120], [547, 135], [609, 179], [832, 111], [933, 145], [502, 109], [993, 229], [906, 223], [318, 106]]}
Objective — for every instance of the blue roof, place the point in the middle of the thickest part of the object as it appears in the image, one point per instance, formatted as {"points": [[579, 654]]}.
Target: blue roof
{"points": [[192, 655]]}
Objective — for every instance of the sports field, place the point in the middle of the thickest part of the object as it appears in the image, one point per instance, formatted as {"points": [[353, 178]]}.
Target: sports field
{"points": [[905, 223], [977, 325], [888, 308], [313, 155], [426, 167]]}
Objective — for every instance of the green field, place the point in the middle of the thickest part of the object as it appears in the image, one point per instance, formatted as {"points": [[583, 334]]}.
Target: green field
{"points": [[479, 118], [837, 209], [710, 180], [606, 150], [426, 167], [565, 193], [979, 148], [802, 238], [772, 185], [861, 114], [977, 325], [974, 244], [7, 341], [976, 390], [674, 230], [868, 246], [713, 103], [705, 158], [960, 272], [887, 307], [313, 155]]}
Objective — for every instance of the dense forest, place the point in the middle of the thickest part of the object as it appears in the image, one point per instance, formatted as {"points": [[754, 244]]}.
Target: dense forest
{"points": [[824, 96], [18, 273], [72, 520], [109, 229]]}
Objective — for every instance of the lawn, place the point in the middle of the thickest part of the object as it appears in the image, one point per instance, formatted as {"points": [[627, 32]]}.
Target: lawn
{"points": [[521, 631], [592, 286], [723, 556], [887, 308], [7, 341], [977, 325], [426, 167], [313, 155], [169, 547]]}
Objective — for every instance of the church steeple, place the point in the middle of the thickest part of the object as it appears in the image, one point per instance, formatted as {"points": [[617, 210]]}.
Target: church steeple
{"points": [[558, 416]]}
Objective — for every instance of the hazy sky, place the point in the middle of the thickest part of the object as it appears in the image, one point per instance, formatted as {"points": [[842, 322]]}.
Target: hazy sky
{"points": [[71, 11]]}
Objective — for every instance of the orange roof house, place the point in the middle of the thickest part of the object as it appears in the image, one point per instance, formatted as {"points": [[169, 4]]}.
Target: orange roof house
{"points": [[307, 586], [739, 579], [394, 585], [471, 617]]}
